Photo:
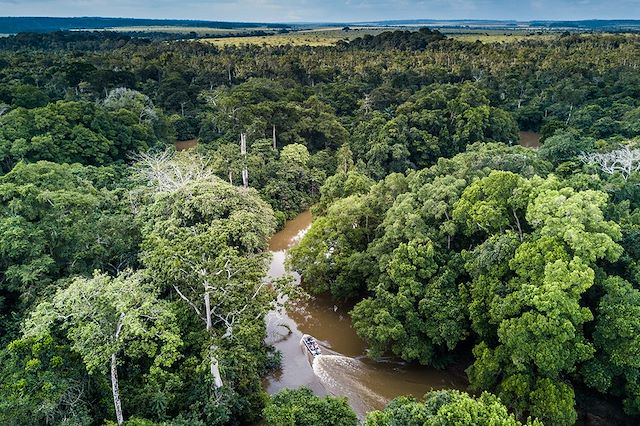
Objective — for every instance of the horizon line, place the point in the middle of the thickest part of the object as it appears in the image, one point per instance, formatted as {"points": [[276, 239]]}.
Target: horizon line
{"points": [[374, 21]]}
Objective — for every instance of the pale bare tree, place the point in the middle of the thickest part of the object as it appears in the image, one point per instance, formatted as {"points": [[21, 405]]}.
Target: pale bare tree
{"points": [[624, 161], [243, 152], [169, 171]]}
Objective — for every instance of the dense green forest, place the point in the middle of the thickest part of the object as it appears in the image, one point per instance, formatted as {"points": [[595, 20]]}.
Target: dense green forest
{"points": [[131, 275]]}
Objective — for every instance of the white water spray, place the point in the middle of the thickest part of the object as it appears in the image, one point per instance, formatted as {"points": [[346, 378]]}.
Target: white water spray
{"points": [[342, 376]]}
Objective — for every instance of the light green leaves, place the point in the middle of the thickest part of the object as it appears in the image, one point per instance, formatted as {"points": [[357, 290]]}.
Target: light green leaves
{"points": [[444, 408], [91, 311], [577, 219], [301, 407], [494, 203]]}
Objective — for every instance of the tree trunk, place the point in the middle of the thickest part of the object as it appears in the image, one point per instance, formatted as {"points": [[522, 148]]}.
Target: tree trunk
{"points": [[274, 137], [215, 371], [518, 224], [243, 152], [570, 113], [115, 388], [207, 308]]}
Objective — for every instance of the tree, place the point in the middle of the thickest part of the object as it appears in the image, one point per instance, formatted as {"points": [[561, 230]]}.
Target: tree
{"points": [[55, 223], [28, 96], [538, 314], [417, 308], [616, 340], [493, 204], [331, 254], [624, 161], [290, 186], [43, 382], [105, 318], [447, 407], [205, 244], [565, 146], [133, 101], [300, 407], [73, 132], [341, 185]]}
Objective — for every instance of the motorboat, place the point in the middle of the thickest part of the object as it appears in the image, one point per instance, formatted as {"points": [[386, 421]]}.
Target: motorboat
{"points": [[311, 345]]}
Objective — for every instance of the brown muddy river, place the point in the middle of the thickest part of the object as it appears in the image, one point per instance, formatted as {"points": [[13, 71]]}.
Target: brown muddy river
{"points": [[343, 369], [530, 139]]}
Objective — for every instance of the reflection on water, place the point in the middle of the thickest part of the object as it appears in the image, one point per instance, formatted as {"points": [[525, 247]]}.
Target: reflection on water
{"points": [[343, 369], [293, 230]]}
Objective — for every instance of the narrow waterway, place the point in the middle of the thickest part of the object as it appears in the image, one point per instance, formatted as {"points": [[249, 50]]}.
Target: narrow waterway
{"points": [[530, 139], [343, 369]]}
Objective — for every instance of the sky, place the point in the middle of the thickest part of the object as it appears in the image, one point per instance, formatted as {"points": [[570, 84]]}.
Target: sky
{"points": [[328, 10]]}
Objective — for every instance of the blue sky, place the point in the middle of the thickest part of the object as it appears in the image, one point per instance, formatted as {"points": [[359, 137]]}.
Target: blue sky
{"points": [[328, 10]]}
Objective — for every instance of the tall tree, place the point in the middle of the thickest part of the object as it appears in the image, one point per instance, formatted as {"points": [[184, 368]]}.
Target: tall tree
{"points": [[107, 318]]}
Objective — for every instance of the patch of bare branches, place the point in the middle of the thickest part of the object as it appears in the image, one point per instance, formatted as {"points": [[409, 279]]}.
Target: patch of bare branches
{"points": [[168, 171], [624, 161]]}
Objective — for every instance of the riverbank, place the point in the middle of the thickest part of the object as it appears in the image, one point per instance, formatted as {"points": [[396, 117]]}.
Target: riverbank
{"points": [[344, 368]]}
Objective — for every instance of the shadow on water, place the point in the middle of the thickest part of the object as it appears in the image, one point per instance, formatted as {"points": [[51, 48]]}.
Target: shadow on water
{"points": [[343, 369]]}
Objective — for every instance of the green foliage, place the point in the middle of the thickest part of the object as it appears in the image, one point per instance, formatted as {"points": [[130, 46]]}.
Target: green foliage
{"points": [[43, 381], [55, 223], [342, 185], [204, 243], [565, 146], [476, 245], [332, 255], [506, 256], [538, 314], [402, 40], [445, 408], [417, 306], [438, 121], [301, 407], [91, 311], [106, 319], [72, 132], [493, 204], [28, 96], [617, 343]]}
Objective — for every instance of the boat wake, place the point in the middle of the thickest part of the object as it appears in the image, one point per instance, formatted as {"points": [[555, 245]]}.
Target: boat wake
{"points": [[343, 376]]}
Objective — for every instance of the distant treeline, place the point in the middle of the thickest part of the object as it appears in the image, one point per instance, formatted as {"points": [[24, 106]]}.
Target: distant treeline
{"points": [[11, 25], [105, 40], [401, 40], [71, 40], [594, 24]]}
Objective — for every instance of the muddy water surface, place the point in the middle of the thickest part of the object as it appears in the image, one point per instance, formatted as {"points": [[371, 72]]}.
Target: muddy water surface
{"points": [[343, 369], [530, 139]]}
